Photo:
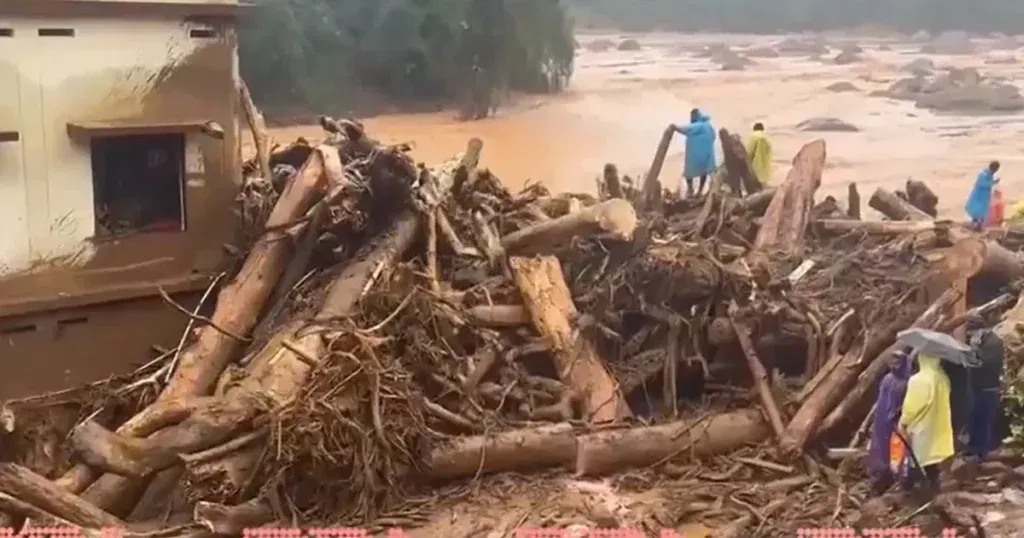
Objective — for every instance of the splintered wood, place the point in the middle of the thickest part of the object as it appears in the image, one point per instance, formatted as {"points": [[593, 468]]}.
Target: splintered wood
{"points": [[549, 303]]}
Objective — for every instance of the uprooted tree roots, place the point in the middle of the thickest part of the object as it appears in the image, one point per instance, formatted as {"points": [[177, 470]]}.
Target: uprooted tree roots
{"points": [[393, 327]]}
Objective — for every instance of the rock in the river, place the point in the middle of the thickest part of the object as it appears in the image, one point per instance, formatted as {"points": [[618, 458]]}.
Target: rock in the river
{"points": [[761, 52], [959, 90], [834, 125], [919, 66], [600, 45], [840, 87], [800, 47], [1001, 59], [951, 42], [710, 51], [629, 45], [846, 57], [731, 61], [921, 35]]}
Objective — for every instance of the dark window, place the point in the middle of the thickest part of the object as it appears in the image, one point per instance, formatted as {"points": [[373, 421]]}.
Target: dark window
{"points": [[138, 183], [6, 32], [56, 32], [202, 33]]}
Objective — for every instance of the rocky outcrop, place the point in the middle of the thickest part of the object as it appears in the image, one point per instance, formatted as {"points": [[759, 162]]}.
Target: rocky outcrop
{"points": [[958, 90], [842, 87], [629, 45], [832, 125]]}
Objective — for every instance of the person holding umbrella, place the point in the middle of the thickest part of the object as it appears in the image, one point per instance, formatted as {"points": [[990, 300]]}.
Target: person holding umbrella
{"points": [[926, 421]]}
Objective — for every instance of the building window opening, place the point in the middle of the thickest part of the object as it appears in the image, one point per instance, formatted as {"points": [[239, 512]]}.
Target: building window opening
{"points": [[138, 184]]}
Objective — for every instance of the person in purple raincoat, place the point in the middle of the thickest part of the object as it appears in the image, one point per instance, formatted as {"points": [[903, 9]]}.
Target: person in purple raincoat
{"points": [[887, 414]]}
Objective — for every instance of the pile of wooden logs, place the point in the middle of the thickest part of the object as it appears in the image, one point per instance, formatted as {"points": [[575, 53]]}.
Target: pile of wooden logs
{"points": [[394, 326]]}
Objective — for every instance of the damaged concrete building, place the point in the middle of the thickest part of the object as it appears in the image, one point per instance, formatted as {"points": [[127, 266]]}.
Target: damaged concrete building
{"points": [[119, 166]]}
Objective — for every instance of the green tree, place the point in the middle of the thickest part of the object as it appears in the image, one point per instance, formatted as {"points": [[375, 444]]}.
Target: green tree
{"points": [[314, 55]]}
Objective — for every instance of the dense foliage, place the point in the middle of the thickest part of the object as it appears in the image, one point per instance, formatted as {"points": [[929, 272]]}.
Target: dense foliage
{"points": [[769, 16], [321, 54]]}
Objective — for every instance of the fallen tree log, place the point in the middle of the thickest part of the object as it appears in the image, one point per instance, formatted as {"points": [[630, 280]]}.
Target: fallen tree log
{"points": [[611, 451], [517, 450], [788, 214], [238, 305], [760, 377], [881, 227], [549, 304], [894, 207], [32, 489], [615, 217]]}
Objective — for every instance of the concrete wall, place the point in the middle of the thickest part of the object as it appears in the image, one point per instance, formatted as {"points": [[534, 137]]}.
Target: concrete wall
{"points": [[142, 68], [104, 72]]}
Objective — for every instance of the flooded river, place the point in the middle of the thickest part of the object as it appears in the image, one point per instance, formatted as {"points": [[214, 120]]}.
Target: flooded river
{"points": [[620, 101]]}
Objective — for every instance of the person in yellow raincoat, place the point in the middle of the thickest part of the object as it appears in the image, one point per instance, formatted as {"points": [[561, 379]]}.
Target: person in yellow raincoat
{"points": [[927, 422], [759, 153]]}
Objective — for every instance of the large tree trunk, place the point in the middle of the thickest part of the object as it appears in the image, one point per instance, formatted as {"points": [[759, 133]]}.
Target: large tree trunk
{"points": [[651, 194], [238, 307], [611, 451], [549, 303], [615, 217], [516, 450], [894, 207], [786, 220], [880, 227], [275, 377], [756, 204], [760, 377]]}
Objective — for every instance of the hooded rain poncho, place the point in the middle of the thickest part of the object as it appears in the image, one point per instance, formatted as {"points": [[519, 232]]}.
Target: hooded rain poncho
{"points": [[700, 147], [891, 392], [759, 153], [980, 199], [926, 415]]}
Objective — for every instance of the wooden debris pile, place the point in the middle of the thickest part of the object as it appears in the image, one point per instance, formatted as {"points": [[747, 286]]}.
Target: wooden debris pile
{"points": [[393, 327]]}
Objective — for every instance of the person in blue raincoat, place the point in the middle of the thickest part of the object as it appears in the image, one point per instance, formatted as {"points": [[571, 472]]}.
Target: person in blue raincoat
{"points": [[980, 200], [700, 150]]}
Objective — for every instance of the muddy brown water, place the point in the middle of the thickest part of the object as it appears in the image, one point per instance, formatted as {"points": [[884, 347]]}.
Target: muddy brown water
{"points": [[619, 102]]}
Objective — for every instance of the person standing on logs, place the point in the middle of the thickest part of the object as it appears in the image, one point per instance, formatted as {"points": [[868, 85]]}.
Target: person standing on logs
{"points": [[985, 384], [980, 200], [926, 423], [759, 153], [700, 150]]}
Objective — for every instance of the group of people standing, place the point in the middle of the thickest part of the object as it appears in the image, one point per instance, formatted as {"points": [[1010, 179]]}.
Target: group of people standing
{"points": [[929, 411], [984, 205], [700, 161]]}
